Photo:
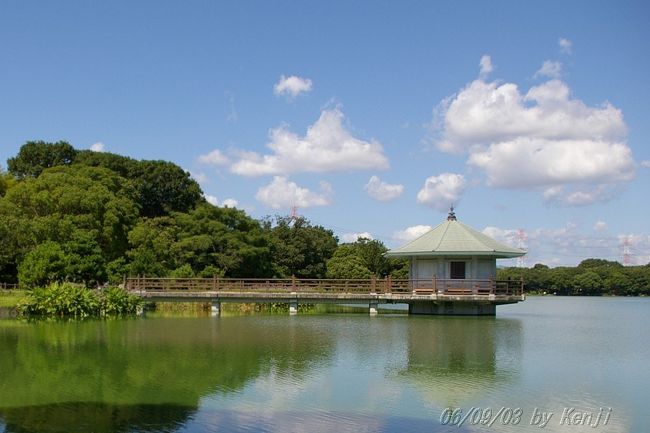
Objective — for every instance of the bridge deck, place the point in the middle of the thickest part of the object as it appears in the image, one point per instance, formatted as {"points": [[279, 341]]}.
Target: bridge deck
{"points": [[327, 290]]}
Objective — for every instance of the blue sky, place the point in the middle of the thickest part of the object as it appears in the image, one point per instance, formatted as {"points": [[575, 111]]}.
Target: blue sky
{"points": [[370, 117]]}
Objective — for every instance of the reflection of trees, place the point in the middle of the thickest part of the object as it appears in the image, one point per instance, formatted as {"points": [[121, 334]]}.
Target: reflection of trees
{"points": [[117, 373], [452, 360]]}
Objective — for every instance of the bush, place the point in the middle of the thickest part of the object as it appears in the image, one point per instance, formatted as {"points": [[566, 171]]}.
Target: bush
{"points": [[64, 300]]}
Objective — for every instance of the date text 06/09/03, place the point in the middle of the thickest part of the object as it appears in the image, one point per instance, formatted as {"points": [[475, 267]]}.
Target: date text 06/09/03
{"points": [[514, 416]]}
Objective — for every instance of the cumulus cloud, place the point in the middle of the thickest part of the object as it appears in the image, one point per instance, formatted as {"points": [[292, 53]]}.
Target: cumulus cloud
{"points": [[566, 45], [383, 191], [199, 177], [410, 233], [282, 193], [549, 69], [570, 244], [215, 157], [645, 163], [353, 237], [97, 147], [486, 65], [543, 139], [439, 192], [230, 202], [211, 199], [292, 86], [327, 146]]}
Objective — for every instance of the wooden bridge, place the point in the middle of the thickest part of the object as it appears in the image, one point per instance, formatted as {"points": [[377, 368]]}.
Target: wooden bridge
{"points": [[434, 296]]}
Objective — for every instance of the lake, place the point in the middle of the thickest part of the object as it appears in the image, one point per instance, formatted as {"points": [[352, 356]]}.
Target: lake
{"points": [[583, 359]]}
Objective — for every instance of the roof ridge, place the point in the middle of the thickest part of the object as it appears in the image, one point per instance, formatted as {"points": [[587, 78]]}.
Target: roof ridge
{"points": [[443, 234]]}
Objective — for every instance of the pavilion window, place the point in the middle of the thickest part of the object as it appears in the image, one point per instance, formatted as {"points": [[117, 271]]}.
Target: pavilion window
{"points": [[457, 270]]}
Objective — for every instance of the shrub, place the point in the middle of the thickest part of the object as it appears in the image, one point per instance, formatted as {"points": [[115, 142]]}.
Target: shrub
{"points": [[65, 299]]}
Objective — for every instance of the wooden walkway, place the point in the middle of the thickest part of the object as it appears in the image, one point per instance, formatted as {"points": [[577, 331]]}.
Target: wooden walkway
{"points": [[328, 286], [422, 295]]}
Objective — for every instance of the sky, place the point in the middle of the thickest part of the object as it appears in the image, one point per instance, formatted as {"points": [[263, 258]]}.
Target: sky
{"points": [[371, 118]]}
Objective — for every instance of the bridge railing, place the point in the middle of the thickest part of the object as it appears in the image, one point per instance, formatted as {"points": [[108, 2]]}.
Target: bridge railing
{"points": [[455, 287]]}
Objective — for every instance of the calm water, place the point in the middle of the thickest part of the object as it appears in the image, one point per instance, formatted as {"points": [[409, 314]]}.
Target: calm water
{"points": [[333, 372]]}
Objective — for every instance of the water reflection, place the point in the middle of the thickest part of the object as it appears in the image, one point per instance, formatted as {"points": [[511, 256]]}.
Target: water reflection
{"points": [[453, 361], [111, 373]]}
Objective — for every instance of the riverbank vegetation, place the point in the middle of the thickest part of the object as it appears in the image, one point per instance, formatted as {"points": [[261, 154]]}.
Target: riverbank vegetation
{"points": [[592, 277], [70, 300], [89, 218]]}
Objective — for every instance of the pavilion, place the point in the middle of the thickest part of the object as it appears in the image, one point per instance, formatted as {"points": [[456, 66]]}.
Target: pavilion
{"points": [[455, 259]]}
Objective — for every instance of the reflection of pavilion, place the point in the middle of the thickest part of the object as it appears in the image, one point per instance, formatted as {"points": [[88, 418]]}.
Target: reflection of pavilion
{"points": [[455, 361]]}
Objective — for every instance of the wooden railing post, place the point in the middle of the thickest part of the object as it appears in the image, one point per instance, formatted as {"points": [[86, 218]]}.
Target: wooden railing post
{"points": [[373, 285]]}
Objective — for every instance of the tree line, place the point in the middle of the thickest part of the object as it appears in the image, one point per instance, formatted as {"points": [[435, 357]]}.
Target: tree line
{"points": [[592, 277], [94, 217]]}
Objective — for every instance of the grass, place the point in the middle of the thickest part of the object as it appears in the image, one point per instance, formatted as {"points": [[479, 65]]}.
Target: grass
{"points": [[10, 298]]}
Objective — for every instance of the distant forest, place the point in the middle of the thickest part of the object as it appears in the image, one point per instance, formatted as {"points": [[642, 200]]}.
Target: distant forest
{"points": [[94, 217]]}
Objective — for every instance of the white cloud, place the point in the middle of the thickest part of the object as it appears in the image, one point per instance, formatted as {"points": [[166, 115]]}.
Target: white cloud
{"points": [[486, 65], [565, 45], [230, 202], [553, 162], [281, 193], [543, 139], [353, 237], [549, 69], [292, 86], [97, 147], [327, 146], [600, 226], [382, 191], [569, 245], [199, 177], [441, 191], [214, 201], [215, 157], [410, 233], [211, 199], [645, 163]]}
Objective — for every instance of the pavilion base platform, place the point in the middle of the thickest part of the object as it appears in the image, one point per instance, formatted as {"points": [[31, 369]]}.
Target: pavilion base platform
{"points": [[451, 308]]}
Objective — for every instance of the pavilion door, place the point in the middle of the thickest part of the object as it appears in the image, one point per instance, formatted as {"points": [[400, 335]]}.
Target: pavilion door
{"points": [[457, 270]]}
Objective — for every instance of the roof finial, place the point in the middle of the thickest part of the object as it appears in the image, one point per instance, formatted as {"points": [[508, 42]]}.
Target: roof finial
{"points": [[452, 215]]}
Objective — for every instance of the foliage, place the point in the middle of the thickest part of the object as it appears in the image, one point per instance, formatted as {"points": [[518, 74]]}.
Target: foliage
{"points": [[346, 263], [42, 265], [590, 277], [65, 299], [363, 259], [36, 156], [299, 248]]}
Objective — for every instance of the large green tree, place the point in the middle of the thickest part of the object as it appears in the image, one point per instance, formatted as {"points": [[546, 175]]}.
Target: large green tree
{"points": [[36, 156], [299, 248]]}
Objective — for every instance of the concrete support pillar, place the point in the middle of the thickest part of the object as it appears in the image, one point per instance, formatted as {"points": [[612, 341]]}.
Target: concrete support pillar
{"points": [[293, 307], [215, 309], [373, 308]]}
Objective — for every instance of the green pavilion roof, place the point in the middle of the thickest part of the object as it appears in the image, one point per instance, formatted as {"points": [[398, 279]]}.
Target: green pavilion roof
{"points": [[453, 238]]}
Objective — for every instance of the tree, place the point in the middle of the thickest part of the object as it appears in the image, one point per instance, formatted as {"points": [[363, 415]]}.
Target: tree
{"points": [[36, 156], [299, 248], [44, 264], [346, 263], [588, 283], [164, 187]]}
